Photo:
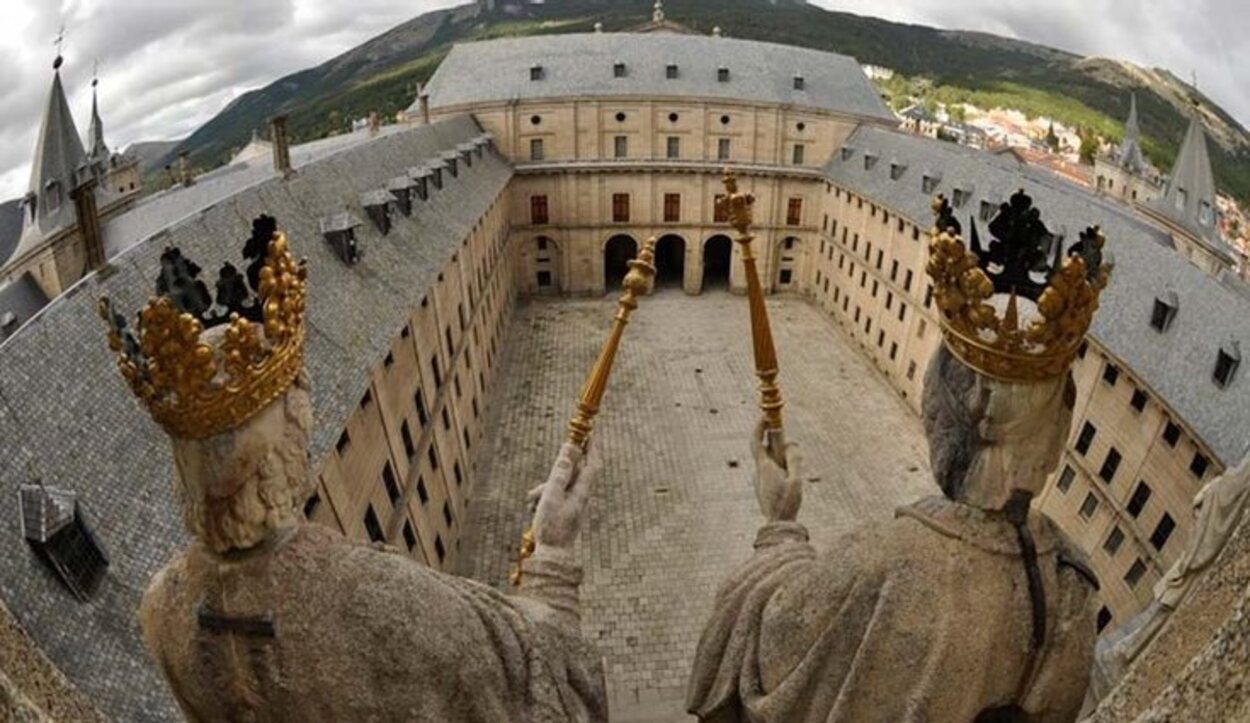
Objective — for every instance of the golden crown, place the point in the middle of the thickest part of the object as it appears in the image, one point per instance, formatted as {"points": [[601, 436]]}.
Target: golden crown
{"points": [[1024, 260], [191, 389]]}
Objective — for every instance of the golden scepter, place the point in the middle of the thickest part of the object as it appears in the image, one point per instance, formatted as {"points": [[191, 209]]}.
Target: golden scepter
{"points": [[737, 206], [637, 282]]}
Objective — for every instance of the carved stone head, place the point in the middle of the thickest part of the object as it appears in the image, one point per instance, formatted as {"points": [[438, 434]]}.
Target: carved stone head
{"points": [[239, 486], [989, 438]]}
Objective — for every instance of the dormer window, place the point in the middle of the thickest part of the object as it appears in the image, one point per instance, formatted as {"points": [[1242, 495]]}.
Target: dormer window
{"points": [[31, 202], [618, 70], [340, 231], [896, 170], [1182, 198], [401, 191], [800, 83], [1164, 312], [1226, 363], [987, 210], [929, 182], [52, 195], [870, 160], [423, 189], [722, 74], [961, 196], [1206, 215], [847, 152], [54, 527], [536, 72], [436, 175], [377, 205], [452, 165], [670, 71]]}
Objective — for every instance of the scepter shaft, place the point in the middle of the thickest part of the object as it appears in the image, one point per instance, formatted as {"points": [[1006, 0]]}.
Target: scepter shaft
{"points": [[763, 348]]}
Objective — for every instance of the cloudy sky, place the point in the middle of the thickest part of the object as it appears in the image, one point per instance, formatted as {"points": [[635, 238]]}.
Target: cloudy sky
{"points": [[167, 66]]}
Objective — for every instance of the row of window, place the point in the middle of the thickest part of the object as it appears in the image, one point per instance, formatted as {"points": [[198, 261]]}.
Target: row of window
{"points": [[672, 149], [672, 71], [540, 214]]}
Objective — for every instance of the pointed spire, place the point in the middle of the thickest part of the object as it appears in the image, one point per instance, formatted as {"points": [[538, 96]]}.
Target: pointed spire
{"points": [[1131, 158], [1190, 195], [99, 152]]}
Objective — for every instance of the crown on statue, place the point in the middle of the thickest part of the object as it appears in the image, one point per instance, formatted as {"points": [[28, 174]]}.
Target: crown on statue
{"points": [[1024, 261], [191, 388]]}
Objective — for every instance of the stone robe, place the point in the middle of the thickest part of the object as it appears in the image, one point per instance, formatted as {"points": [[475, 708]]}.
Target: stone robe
{"points": [[320, 628], [925, 618]]}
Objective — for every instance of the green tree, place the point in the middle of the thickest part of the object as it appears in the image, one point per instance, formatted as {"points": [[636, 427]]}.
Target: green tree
{"points": [[1089, 146]]}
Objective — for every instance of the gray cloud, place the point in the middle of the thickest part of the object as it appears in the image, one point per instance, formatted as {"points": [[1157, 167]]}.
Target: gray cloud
{"points": [[167, 67]]}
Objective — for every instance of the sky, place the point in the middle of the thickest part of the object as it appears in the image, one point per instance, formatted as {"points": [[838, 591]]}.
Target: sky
{"points": [[167, 66]]}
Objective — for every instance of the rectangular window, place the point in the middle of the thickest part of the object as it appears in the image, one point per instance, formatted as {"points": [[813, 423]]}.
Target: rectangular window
{"points": [[911, 370], [722, 149], [722, 74], [536, 149], [673, 147], [344, 443], [405, 434], [799, 152], [438, 548], [1089, 506], [1110, 374], [1104, 618], [672, 207], [433, 457], [438, 373], [786, 277], [1199, 464], [447, 514], [794, 212], [538, 210], [1086, 438], [536, 72], [410, 537], [367, 399], [618, 70], [544, 278], [311, 505], [1171, 434], [388, 481], [389, 360], [446, 419], [423, 416], [422, 493], [1065, 478], [907, 282], [799, 83], [1110, 465], [670, 71], [620, 146], [1112, 544], [1135, 573], [1138, 501], [459, 477], [1138, 401], [372, 527], [620, 208]]}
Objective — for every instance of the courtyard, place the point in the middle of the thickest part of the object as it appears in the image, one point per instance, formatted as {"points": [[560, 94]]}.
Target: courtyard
{"points": [[675, 510]]}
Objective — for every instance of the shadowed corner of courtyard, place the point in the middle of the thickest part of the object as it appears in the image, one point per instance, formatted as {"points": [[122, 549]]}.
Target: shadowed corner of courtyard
{"points": [[675, 510]]}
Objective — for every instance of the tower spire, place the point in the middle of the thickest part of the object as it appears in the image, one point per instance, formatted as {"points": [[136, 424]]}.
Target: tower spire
{"points": [[99, 152], [1131, 158], [1189, 198]]}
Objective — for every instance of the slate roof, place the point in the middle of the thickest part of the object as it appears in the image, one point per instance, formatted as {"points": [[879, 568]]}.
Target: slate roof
{"points": [[65, 411], [1177, 364], [10, 228], [58, 156], [1189, 198], [582, 65], [21, 298]]}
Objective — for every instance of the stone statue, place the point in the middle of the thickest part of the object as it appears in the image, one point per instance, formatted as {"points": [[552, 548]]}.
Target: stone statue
{"points": [[965, 607], [1218, 509], [266, 617]]}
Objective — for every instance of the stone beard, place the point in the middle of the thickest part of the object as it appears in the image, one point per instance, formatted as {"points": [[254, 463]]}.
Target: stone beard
{"points": [[267, 617], [965, 607]]}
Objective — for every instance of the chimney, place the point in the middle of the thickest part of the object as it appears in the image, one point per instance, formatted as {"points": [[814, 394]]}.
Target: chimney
{"points": [[281, 149], [423, 97], [184, 169]]}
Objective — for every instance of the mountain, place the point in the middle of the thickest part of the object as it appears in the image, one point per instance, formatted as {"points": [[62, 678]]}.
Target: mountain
{"points": [[151, 154], [985, 69]]}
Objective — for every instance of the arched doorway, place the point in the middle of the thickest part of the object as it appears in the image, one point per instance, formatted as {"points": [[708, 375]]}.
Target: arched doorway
{"points": [[617, 253], [717, 255], [788, 253], [670, 261], [546, 265]]}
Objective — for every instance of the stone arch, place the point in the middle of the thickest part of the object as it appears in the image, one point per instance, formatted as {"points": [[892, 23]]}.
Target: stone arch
{"points": [[618, 251], [717, 262], [546, 271], [670, 261]]}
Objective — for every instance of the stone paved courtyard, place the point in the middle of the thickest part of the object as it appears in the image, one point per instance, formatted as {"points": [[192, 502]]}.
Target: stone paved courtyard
{"points": [[675, 510]]}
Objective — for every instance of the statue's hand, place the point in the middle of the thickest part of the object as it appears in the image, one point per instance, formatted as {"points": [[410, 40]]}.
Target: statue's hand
{"points": [[561, 500], [779, 491]]}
